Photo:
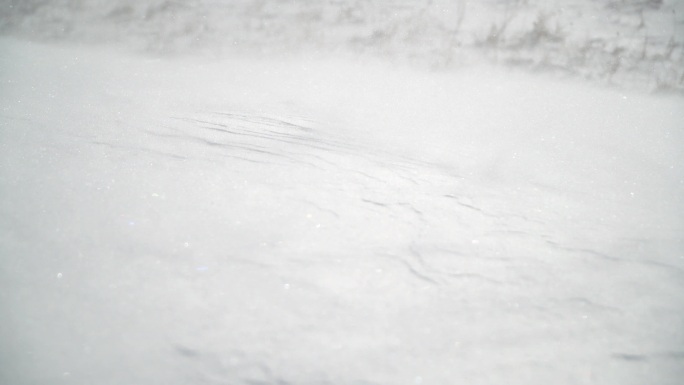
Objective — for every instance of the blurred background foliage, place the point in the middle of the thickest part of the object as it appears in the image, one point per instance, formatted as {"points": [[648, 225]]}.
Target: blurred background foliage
{"points": [[629, 43]]}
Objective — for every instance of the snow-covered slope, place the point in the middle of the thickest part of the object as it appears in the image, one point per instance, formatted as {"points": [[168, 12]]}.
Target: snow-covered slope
{"points": [[332, 221]]}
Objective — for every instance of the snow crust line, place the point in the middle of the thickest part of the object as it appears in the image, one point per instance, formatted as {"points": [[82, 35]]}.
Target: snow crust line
{"points": [[634, 44], [183, 221]]}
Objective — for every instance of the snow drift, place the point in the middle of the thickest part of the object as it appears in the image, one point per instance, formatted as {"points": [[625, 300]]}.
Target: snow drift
{"points": [[302, 218]]}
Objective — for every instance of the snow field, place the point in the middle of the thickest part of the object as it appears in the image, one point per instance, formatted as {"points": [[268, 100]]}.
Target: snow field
{"points": [[338, 221]]}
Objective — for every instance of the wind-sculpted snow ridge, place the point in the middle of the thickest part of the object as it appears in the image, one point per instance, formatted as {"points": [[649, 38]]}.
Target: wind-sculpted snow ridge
{"points": [[173, 222], [634, 44]]}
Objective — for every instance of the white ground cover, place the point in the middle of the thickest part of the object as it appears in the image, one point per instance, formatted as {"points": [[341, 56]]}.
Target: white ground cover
{"points": [[326, 220]]}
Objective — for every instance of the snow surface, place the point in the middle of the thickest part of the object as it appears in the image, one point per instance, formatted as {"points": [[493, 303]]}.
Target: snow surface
{"points": [[317, 219]]}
